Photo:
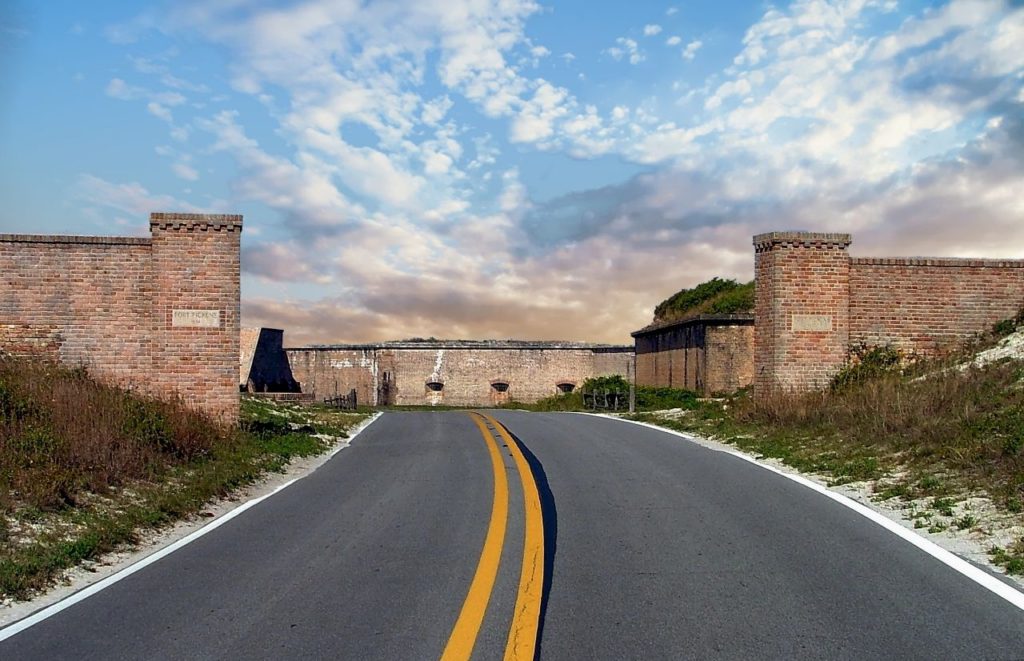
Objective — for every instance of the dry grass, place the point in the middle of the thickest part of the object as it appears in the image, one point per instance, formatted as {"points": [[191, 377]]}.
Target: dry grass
{"points": [[61, 434], [970, 423]]}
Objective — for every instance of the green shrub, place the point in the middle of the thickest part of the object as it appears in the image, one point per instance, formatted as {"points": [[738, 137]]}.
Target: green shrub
{"points": [[614, 383], [868, 363], [716, 296], [650, 398], [142, 421]]}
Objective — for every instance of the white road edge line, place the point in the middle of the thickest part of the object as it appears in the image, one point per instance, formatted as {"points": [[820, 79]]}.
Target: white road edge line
{"points": [[979, 576], [85, 593]]}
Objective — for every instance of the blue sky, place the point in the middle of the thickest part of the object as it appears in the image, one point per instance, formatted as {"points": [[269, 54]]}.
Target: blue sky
{"points": [[511, 168]]}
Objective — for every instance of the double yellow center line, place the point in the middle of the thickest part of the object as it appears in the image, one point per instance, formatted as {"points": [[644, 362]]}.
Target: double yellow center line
{"points": [[522, 635]]}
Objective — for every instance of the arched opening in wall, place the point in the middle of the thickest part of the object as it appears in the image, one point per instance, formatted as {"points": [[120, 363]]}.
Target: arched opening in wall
{"points": [[435, 386], [565, 387], [500, 386]]}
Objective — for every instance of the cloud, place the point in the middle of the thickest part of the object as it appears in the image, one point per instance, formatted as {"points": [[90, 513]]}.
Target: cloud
{"points": [[159, 111], [131, 198], [691, 49], [651, 29], [626, 48], [673, 41], [535, 121], [185, 171]]}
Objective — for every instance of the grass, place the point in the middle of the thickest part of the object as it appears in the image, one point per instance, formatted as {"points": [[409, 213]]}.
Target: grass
{"points": [[648, 398], [922, 431], [716, 296], [85, 468]]}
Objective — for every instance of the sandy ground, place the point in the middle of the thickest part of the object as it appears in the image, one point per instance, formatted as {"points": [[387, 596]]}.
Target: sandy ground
{"points": [[1011, 346], [88, 573]]}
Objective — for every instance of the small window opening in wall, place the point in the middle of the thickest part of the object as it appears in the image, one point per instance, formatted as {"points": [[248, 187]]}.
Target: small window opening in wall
{"points": [[436, 386], [566, 387], [500, 386]]}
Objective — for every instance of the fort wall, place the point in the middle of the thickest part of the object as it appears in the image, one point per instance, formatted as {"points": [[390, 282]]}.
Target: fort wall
{"points": [[814, 304], [707, 353], [158, 314], [457, 373]]}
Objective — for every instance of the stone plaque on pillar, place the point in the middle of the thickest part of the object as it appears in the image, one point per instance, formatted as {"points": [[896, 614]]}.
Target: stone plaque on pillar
{"points": [[195, 318], [812, 322]]}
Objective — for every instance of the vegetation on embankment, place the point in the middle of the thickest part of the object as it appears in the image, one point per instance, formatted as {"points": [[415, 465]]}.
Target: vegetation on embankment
{"points": [[86, 468], [931, 433], [648, 398], [716, 296]]}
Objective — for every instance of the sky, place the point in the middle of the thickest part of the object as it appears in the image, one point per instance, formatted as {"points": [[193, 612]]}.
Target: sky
{"points": [[513, 168]]}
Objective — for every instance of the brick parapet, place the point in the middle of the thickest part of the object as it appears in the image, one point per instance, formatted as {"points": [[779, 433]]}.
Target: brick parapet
{"points": [[947, 262], [767, 241], [195, 221], [71, 239]]}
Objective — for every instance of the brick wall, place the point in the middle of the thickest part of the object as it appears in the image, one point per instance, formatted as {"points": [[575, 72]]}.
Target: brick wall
{"points": [[468, 373], [109, 303], [730, 358], [815, 302], [709, 353], [923, 305]]}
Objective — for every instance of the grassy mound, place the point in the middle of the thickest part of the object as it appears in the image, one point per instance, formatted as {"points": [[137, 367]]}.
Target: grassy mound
{"points": [[716, 296]]}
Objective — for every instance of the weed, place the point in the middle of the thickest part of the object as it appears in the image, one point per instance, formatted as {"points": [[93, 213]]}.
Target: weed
{"points": [[966, 522], [868, 363], [890, 491], [943, 506], [1011, 559]]}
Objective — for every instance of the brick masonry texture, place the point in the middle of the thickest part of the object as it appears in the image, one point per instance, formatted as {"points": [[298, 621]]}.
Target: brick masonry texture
{"points": [[925, 305], [814, 303], [467, 371], [708, 353], [107, 303]]}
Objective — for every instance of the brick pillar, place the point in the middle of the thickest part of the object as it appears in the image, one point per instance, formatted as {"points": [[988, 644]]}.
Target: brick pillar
{"points": [[801, 319], [196, 294]]}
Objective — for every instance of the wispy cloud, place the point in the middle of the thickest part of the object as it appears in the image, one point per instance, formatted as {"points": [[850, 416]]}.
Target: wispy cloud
{"points": [[132, 198], [628, 49]]}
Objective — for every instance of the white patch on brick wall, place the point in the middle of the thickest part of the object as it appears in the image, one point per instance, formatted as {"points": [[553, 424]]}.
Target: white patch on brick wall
{"points": [[195, 318], [373, 373], [436, 375]]}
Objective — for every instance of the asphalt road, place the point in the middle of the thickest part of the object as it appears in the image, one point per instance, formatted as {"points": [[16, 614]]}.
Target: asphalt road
{"points": [[656, 549]]}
